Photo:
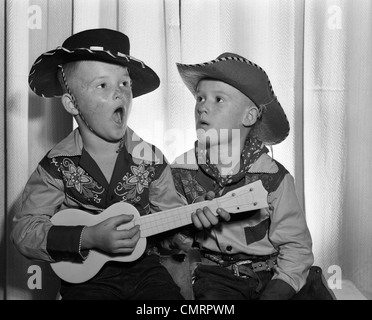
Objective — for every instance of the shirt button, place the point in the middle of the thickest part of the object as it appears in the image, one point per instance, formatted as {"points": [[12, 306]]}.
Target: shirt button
{"points": [[229, 248]]}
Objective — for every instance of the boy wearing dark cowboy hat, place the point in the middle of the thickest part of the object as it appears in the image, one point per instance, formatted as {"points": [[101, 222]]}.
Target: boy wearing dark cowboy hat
{"points": [[97, 165], [260, 254]]}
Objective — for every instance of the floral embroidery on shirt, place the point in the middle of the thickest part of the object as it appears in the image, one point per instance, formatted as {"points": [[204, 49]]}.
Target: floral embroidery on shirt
{"points": [[136, 182], [75, 177], [139, 178], [192, 188], [55, 162]]}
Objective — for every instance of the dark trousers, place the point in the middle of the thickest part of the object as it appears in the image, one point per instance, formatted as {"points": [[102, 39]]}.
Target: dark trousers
{"points": [[218, 283], [144, 279]]}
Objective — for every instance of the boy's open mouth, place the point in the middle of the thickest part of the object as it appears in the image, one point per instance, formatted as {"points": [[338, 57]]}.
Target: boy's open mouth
{"points": [[118, 116]]}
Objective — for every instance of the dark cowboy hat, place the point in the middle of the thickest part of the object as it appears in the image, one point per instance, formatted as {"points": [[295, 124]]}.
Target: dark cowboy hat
{"points": [[96, 44], [251, 80]]}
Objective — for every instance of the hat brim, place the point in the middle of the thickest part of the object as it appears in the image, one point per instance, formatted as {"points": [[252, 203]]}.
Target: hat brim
{"points": [[43, 79], [273, 126]]}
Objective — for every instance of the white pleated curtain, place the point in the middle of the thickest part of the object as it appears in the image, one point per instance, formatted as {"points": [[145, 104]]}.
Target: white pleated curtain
{"points": [[316, 53]]}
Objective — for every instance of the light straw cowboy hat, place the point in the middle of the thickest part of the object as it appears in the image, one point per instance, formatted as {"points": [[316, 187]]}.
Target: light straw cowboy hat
{"points": [[272, 127]]}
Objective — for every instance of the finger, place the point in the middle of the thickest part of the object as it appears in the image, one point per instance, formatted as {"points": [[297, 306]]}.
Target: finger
{"points": [[195, 220], [123, 250], [128, 234], [212, 218], [223, 214], [200, 198], [121, 219], [203, 219], [210, 195], [128, 243]]}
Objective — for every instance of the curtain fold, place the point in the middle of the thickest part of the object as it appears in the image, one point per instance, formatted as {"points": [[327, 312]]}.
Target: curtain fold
{"points": [[17, 125], [324, 130], [337, 139], [32, 27], [315, 52], [356, 226], [3, 229]]}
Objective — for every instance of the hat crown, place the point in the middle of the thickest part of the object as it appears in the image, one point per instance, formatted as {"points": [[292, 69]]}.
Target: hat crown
{"points": [[105, 39], [229, 54]]}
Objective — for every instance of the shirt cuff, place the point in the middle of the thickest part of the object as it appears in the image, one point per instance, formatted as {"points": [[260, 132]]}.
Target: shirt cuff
{"points": [[278, 289], [64, 242]]}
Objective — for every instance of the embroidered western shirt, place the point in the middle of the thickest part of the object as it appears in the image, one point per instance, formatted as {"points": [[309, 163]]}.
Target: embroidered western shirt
{"points": [[280, 228], [68, 177]]}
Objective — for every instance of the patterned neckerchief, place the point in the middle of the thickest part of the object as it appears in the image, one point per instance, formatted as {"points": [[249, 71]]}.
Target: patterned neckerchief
{"points": [[252, 150]]}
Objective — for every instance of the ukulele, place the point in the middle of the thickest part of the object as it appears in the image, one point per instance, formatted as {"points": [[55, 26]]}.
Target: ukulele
{"points": [[252, 196]]}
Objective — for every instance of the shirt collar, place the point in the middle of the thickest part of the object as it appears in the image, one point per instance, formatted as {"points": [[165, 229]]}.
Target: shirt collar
{"points": [[72, 146], [264, 164]]}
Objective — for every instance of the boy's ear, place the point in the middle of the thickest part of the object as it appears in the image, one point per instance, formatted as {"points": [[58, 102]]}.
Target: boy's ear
{"points": [[69, 104], [250, 116]]}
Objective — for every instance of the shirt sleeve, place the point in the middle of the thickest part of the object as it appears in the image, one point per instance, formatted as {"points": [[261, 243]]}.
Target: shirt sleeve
{"points": [[290, 235], [33, 233], [163, 194]]}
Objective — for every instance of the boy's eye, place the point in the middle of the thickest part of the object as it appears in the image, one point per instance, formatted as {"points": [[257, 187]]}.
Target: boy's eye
{"points": [[219, 99], [127, 84], [102, 86], [199, 99]]}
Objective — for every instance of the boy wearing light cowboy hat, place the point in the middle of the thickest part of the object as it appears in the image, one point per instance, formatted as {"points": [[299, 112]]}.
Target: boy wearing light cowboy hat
{"points": [[261, 254], [98, 164]]}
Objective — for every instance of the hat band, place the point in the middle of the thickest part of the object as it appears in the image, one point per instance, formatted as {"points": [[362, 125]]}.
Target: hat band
{"points": [[93, 50]]}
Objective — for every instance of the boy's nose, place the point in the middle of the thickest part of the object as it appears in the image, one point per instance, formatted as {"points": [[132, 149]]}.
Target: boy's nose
{"points": [[120, 93], [202, 107]]}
